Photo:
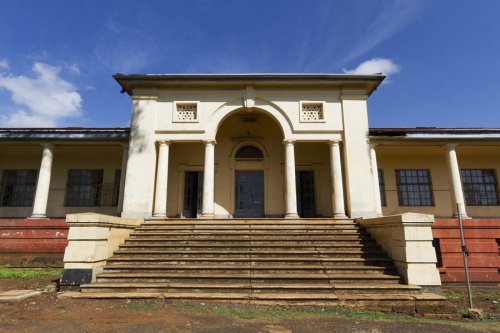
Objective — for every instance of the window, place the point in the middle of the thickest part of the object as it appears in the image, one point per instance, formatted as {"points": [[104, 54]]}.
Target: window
{"points": [[381, 186], [84, 188], [480, 187], [249, 152], [18, 188], [414, 187], [116, 187]]}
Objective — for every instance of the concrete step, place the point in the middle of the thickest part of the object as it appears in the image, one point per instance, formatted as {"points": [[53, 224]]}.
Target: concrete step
{"points": [[247, 287], [239, 227], [245, 233], [424, 303], [259, 268], [380, 262], [245, 276], [250, 243]]}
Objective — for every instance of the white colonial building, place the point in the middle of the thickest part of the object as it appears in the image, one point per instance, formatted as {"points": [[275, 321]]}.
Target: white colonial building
{"points": [[263, 145]]}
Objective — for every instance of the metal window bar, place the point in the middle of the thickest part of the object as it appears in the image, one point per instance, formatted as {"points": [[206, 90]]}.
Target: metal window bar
{"points": [[480, 187], [414, 187], [381, 185], [18, 188]]}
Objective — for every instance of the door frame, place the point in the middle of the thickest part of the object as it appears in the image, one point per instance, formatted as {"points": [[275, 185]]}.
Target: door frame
{"points": [[263, 192], [247, 165]]}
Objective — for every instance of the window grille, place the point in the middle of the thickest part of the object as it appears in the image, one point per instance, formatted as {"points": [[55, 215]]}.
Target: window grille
{"points": [[381, 186], [414, 187], [480, 187], [83, 188], [18, 188], [311, 112], [186, 112]]}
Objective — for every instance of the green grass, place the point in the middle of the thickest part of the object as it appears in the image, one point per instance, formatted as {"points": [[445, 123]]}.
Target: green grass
{"points": [[27, 273], [269, 313]]}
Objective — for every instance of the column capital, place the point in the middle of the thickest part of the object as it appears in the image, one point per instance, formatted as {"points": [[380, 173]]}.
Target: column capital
{"points": [[48, 146], [288, 142], [163, 142], [209, 142], [451, 146], [332, 143], [373, 145]]}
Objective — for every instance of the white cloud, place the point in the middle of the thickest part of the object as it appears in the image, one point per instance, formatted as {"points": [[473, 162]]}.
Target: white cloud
{"points": [[47, 97], [392, 17], [74, 69], [375, 65], [22, 119], [4, 64]]}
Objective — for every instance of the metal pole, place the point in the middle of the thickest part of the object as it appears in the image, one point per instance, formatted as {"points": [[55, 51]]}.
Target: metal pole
{"points": [[464, 253]]}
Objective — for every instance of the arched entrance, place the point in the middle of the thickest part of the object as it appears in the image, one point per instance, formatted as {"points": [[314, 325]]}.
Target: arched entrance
{"points": [[249, 184], [249, 159]]}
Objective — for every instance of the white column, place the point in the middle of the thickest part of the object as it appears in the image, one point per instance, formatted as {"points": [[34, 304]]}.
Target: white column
{"points": [[337, 184], [122, 179], [43, 183], [291, 190], [161, 180], [376, 186], [458, 193], [207, 210]]}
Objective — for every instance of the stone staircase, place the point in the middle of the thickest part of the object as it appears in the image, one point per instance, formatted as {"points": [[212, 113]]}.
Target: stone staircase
{"points": [[306, 261]]}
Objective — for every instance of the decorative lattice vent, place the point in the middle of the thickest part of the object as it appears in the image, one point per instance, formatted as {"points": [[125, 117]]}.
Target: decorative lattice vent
{"points": [[311, 112], [186, 112]]}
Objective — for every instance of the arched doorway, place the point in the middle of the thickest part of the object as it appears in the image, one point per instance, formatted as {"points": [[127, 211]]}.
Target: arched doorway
{"points": [[249, 157], [249, 184]]}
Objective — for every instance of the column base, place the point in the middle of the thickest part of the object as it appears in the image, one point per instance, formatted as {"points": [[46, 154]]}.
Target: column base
{"points": [[207, 216], [339, 216], [38, 216], [159, 215], [292, 216]]}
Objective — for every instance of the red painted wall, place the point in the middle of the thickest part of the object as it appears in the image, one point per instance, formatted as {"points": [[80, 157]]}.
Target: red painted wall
{"points": [[480, 238], [33, 242]]}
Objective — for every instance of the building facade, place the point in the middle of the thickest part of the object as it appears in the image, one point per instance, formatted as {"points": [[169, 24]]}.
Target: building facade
{"points": [[256, 146]]}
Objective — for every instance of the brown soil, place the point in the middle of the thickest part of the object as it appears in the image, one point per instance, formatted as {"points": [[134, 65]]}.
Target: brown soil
{"points": [[47, 313]]}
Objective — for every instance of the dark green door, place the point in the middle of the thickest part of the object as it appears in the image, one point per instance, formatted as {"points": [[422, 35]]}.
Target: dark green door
{"points": [[249, 194], [193, 189], [306, 199]]}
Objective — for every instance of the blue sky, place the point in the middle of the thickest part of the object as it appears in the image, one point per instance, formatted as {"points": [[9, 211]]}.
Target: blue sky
{"points": [[57, 57]]}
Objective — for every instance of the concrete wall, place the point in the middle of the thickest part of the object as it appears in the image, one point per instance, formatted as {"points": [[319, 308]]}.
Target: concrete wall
{"points": [[66, 157]]}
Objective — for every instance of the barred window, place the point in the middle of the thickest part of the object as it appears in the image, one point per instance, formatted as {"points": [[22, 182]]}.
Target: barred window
{"points": [[116, 187], [381, 186], [480, 187], [83, 188], [18, 188], [414, 187]]}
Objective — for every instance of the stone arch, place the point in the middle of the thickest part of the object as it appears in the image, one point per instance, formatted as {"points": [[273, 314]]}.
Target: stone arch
{"points": [[267, 108]]}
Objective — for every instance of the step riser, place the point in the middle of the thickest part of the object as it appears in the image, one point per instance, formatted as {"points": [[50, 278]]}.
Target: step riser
{"points": [[228, 261], [239, 280], [243, 270]]}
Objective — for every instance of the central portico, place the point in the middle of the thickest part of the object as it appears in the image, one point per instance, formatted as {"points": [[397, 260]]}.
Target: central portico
{"points": [[260, 145]]}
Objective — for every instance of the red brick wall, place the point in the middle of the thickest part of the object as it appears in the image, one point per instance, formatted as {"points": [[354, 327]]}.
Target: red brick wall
{"points": [[32, 242], [480, 239]]}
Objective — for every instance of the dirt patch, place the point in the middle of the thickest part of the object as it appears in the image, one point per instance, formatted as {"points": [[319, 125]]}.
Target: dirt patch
{"points": [[47, 313]]}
